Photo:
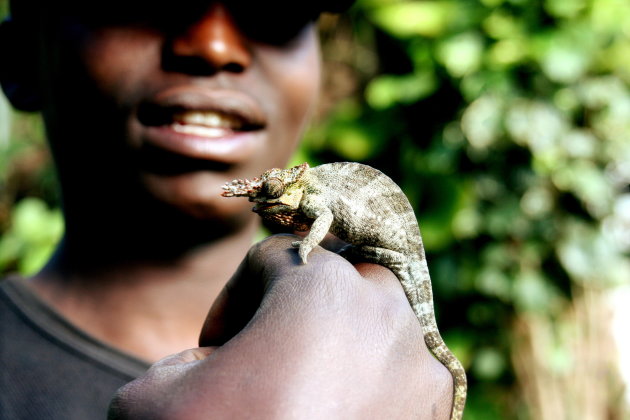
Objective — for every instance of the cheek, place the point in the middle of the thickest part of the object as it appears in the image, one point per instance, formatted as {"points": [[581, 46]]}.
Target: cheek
{"points": [[118, 60], [295, 74], [303, 79], [91, 81]]}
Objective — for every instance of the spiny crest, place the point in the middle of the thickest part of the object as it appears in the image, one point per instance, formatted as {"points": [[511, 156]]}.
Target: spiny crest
{"points": [[241, 188], [271, 183]]}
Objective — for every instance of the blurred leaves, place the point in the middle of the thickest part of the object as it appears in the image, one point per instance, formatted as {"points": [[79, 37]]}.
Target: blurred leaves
{"points": [[30, 219], [29, 227], [506, 122], [408, 19], [388, 90], [31, 238]]}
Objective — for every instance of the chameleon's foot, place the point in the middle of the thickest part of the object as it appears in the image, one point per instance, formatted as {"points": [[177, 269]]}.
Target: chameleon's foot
{"points": [[303, 252]]}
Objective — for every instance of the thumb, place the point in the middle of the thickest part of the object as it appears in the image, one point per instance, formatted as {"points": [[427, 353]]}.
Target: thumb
{"points": [[234, 307], [266, 262], [241, 296]]}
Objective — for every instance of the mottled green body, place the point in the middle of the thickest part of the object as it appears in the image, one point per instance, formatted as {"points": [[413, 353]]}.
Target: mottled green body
{"points": [[365, 208]]}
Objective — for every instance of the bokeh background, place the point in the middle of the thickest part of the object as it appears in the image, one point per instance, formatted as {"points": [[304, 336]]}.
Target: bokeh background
{"points": [[507, 123]]}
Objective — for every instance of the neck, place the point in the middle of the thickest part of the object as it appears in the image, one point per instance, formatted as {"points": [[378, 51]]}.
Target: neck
{"points": [[156, 299]]}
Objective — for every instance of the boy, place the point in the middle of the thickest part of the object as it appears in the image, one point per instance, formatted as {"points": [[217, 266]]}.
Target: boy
{"points": [[149, 108]]}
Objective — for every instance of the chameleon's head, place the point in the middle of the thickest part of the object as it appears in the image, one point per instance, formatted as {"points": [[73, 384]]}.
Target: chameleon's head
{"points": [[276, 195], [271, 185]]}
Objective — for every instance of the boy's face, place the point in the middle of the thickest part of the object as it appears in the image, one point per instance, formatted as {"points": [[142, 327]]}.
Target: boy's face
{"points": [[173, 103]]}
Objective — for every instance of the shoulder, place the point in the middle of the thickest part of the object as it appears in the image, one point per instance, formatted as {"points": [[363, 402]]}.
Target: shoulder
{"points": [[27, 323], [41, 354]]}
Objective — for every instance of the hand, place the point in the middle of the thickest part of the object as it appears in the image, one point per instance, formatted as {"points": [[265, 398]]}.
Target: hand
{"points": [[322, 340]]}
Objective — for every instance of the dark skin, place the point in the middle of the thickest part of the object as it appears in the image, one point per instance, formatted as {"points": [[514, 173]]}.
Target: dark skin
{"points": [[150, 242]]}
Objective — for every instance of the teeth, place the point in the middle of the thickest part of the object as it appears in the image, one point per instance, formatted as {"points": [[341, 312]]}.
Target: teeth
{"points": [[208, 119], [198, 130]]}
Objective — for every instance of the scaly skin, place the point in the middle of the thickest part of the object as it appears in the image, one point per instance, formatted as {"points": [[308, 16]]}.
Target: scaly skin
{"points": [[365, 208]]}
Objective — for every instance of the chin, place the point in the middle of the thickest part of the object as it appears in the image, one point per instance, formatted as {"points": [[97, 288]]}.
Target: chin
{"points": [[198, 196]]}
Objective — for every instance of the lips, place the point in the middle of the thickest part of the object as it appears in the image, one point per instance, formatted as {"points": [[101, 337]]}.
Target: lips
{"points": [[220, 125]]}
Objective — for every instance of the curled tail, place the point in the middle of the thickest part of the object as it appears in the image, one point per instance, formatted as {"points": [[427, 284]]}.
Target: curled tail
{"points": [[418, 290]]}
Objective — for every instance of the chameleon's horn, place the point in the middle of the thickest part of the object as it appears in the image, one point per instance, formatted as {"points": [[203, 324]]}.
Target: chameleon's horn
{"points": [[241, 188]]}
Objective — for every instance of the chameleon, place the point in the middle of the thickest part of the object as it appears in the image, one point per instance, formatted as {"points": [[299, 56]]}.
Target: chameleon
{"points": [[365, 208]]}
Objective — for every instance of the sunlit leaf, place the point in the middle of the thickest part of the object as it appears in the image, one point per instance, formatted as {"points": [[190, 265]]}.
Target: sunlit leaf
{"points": [[407, 19], [388, 90]]}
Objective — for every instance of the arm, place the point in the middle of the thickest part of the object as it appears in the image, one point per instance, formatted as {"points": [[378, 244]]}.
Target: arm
{"points": [[326, 341]]}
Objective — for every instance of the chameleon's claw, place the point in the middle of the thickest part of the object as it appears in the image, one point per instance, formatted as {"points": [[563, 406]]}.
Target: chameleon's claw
{"points": [[303, 255], [303, 252]]}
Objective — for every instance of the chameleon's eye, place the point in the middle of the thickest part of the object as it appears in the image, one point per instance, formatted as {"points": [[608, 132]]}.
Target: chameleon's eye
{"points": [[273, 188]]}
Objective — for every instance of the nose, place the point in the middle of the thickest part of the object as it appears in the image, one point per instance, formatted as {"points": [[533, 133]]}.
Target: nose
{"points": [[213, 43]]}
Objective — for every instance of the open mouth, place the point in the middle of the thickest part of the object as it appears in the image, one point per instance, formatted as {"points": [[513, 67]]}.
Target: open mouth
{"points": [[206, 123], [224, 126], [201, 123]]}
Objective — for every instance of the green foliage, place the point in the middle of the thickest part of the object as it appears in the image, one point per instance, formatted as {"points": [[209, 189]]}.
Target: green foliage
{"points": [[506, 123], [29, 228], [34, 232], [30, 220]]}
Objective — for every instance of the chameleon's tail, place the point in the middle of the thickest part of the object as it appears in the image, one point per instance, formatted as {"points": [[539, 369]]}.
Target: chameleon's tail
{"points": [[418, 289]]}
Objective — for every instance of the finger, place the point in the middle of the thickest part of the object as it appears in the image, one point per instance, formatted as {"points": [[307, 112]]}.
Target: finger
{"points": [[376, 273], [333, 244], [232, 310], [241, 296], [267, 261]]}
